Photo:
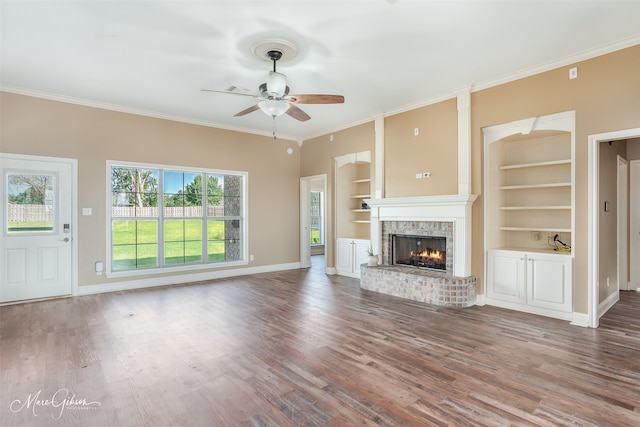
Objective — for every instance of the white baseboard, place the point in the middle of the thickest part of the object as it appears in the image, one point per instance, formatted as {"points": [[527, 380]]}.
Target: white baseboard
{"points": [[330, 271], [183, 278], [580, 319], [480, 299], [605, 305]]}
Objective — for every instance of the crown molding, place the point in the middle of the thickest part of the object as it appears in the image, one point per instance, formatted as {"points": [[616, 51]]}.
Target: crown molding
{"points": [[137, 111], [507, 78], [560, 62]]}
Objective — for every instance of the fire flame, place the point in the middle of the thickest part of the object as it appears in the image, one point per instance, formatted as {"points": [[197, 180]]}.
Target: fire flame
{"points": [[437, 255]]}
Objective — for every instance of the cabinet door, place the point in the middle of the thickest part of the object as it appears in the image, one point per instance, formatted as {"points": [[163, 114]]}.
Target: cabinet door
{"points": [[506, 276], [549, 279], [361, 256], [344, 256]]}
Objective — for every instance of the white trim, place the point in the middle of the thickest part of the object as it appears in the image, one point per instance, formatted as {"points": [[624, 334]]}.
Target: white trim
{"points": [[527, 72], [609, 302], [464, 140], [580, 319], [507, 78], [454, 208], [139, 112], [532, 309], [177, 268], [183, 278], [378, 155], [74, 206], [593, 197]]}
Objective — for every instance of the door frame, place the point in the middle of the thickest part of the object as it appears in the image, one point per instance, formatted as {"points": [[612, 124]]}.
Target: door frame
{"points": [[593, 220], [305, 217], [74, 210]]}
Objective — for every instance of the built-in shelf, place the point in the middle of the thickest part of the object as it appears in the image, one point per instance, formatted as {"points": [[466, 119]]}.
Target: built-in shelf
{"points": [[352, 187], [529, 193], [531, 186], [537, 164], [551, 230], [533, 208]]}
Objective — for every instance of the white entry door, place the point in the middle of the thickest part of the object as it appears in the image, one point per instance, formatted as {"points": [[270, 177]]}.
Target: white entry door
{"points": [[37, 243]]}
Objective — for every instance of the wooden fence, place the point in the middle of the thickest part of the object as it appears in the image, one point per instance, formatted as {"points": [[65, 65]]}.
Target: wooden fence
{"points": [[44, 213]]}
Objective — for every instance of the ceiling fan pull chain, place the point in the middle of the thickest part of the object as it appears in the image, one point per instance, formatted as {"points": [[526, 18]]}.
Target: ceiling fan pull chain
{"points": [[274, 127]]}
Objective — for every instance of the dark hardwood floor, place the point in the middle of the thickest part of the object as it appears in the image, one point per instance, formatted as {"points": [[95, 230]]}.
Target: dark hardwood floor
{"points": [[300, 348]]}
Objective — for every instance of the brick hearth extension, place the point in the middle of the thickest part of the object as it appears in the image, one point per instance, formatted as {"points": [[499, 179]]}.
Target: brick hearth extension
{"points": [[419, 285]]}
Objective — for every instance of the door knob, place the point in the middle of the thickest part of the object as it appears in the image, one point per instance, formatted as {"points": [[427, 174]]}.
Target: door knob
{"points": [[66, 239]]}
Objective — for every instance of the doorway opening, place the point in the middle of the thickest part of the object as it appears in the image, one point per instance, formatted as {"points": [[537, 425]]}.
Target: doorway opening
{"points": [[603, 186], [313, 218]]}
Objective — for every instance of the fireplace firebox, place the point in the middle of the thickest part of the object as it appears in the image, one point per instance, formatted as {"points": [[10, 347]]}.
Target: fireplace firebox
{"points": [[428, 252]]}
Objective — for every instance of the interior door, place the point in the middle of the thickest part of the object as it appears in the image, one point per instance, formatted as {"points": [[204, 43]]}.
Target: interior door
{"points": [[36, 250], [634, 220], [623, 232]]}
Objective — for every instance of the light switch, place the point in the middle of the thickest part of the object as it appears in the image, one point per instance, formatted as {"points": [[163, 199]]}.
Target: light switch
{"points": [[87, 212]]}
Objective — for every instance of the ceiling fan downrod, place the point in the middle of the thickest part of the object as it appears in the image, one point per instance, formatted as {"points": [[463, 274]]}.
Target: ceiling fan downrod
{"points": [[274, 55]]}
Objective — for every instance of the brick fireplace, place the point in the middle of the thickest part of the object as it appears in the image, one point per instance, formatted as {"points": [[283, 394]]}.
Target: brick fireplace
{"points": [[448, 217]]}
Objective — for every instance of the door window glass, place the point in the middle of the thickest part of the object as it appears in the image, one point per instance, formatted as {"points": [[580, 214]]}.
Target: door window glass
{"points": [[31, 203]]}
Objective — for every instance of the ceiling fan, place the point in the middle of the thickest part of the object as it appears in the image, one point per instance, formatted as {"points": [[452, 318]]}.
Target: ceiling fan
{"points": [[275, 98]]}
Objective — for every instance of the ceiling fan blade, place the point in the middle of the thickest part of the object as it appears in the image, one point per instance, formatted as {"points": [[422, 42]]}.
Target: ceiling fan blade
{"points": [[297, 113], [315, 99], [231, 92], [247, 111]]}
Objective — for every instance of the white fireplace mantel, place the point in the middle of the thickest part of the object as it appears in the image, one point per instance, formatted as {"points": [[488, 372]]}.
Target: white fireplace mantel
{"points": [[454, 208]]}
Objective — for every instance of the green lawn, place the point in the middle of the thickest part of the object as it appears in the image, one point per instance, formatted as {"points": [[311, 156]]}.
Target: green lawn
{"points": [[315, 236], [135, 243]]}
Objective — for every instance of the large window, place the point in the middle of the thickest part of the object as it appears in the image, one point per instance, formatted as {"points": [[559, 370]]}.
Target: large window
{"points": [[168, 218]]}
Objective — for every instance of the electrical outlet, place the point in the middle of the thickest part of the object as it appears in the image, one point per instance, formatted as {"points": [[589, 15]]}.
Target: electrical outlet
{"points": [[535, 235], [608, 284], [416, 132]]}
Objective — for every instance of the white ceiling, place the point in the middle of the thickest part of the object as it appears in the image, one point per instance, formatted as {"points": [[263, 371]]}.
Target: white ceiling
{"points": [[153, 57]]}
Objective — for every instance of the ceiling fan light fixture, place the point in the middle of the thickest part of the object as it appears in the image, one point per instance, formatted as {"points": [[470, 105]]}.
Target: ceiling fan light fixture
{"points": [[276, 84], [273, 107]]}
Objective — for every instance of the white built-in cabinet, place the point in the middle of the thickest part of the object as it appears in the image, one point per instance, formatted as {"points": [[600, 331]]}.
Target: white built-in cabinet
{"points": [[350, 254], [529, 202], [352, 215], [539, 282]]}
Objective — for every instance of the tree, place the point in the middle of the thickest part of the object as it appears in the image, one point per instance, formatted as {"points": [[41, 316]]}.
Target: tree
{"points": [[34, 189], [139, 186]]}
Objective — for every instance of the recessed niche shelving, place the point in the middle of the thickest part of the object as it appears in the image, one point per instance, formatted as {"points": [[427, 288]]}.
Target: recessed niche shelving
{"points": [[529, 192]]}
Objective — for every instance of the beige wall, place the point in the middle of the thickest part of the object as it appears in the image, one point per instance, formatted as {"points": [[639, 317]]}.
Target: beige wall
{"points": [[434, 150], [93, 136], [317, 158], [605, 96]]}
